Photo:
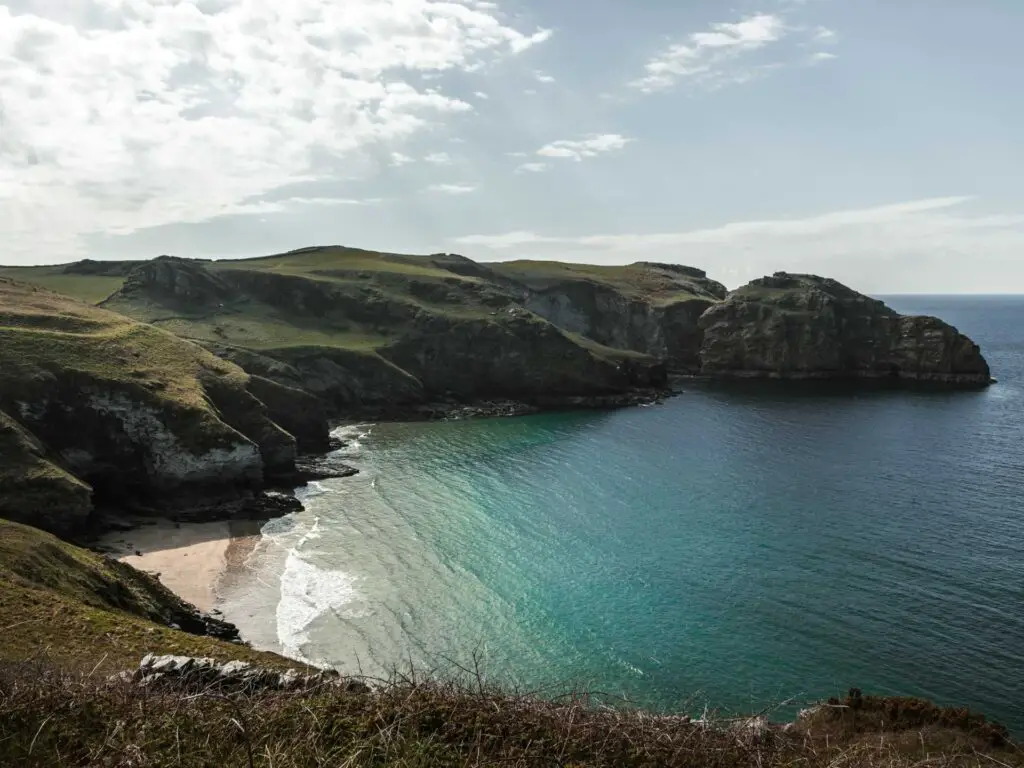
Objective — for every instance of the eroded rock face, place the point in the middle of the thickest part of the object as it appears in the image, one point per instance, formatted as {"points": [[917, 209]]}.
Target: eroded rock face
{"points": [[792, 326], [113, 412], [663, 323], [175, 281]]}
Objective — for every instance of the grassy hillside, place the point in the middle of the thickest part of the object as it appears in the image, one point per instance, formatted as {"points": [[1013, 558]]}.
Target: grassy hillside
{"points": [[41, 331], [89, 397], [79, 610], [91, 289], [659, 284]]}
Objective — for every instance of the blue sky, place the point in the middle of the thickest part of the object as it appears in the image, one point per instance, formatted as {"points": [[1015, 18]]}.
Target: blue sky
{"points": [[875, 142]]}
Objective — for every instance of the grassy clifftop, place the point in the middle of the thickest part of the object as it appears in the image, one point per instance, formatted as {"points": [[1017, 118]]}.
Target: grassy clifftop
{"points": [[94, 402]]}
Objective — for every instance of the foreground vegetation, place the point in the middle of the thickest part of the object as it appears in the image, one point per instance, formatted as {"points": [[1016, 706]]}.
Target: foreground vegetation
{"points": [[48, 718], [84, 612]]}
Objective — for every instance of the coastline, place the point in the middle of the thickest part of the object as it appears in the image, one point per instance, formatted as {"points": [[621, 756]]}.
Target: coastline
{"points": [[190, 558]]}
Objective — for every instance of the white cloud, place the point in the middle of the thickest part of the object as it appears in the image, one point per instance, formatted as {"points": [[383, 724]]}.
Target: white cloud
{"points": [[452, 189], [398, 159], [331, 201], [707, 54], [820, 56], [119, 115], [580, 148], [481, 95], [438, 158], [722, 55], [912, 246], [543, 78], [532, 168]]}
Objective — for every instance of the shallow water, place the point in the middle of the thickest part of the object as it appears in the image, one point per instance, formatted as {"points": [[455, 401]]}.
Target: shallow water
{"points": [[737, 546]]}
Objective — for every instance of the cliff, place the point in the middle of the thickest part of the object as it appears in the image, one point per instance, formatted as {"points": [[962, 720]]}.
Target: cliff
{"points": [[98, 409], [645, 307], [380, 333], [792, 326], [341, 332]]}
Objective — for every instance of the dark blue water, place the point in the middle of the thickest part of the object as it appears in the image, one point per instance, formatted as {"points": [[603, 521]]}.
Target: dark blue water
{"points": [[738, 546]]}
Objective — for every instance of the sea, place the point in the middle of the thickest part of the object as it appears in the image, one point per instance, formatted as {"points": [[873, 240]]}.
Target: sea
{"points": [[739, 548]]}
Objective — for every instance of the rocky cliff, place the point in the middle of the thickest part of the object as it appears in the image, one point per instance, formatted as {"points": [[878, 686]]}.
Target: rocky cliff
{"points": [[384, 336], [645, 307], [792, 326], [98, 409]]}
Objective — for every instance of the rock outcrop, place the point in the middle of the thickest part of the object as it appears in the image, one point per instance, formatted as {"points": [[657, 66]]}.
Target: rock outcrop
{"points": [[791, 326], [207, 675], [646, 307], [96, 405]]}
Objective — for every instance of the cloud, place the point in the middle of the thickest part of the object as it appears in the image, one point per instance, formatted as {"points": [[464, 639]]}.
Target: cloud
{"points": [[481, 95], [543, 78], [452, 189], [706, 54], [532, 168], [326, 201], [903, 246], [398, 159], [580, 148], [123, 115], [438, 158], [721, 55]]}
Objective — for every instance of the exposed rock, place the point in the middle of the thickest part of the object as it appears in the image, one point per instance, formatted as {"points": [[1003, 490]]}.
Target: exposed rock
{"points": [[176, 281], [207, 674], [34, 488], [804, 326], [295, 410], [134, 415], [651, 308], [316, 467]]}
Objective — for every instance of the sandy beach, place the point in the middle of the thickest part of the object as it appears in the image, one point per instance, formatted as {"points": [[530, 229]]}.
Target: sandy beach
{"points": [[190, 559]]}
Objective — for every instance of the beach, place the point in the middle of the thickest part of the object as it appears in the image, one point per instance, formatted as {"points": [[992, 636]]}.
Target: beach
{"points": [[190, 559]]}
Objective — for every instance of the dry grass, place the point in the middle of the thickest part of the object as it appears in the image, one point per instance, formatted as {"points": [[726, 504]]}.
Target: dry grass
{"points": [[52, 718]]}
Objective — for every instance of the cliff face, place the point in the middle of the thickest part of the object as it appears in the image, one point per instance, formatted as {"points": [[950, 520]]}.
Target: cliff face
{"points": [[645, 307], [383, 336], [96, 404], [804, 326]]}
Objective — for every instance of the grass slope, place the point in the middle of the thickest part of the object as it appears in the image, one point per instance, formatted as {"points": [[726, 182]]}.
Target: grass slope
{"points": [[82, 611], [642, 281], [42, 331], [409, 288], [91, 289]]}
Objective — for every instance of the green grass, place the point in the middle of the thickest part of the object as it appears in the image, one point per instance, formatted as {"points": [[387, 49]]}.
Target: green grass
{"points": [[42, 331], [79, 610], [321, 262], [92, 289], [635, 280]]}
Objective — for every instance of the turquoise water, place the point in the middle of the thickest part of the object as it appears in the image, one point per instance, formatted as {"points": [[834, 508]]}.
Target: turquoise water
{"points": [[738, 546]]}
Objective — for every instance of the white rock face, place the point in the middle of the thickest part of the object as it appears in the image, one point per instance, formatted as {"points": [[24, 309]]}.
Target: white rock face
{"points": [[170, 462]]}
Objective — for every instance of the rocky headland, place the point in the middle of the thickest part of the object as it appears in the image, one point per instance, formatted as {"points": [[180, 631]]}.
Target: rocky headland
{"points": [[187, 387]]}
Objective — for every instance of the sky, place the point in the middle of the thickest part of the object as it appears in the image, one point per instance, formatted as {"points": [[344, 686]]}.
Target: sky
{"points": [[873, 141]]}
